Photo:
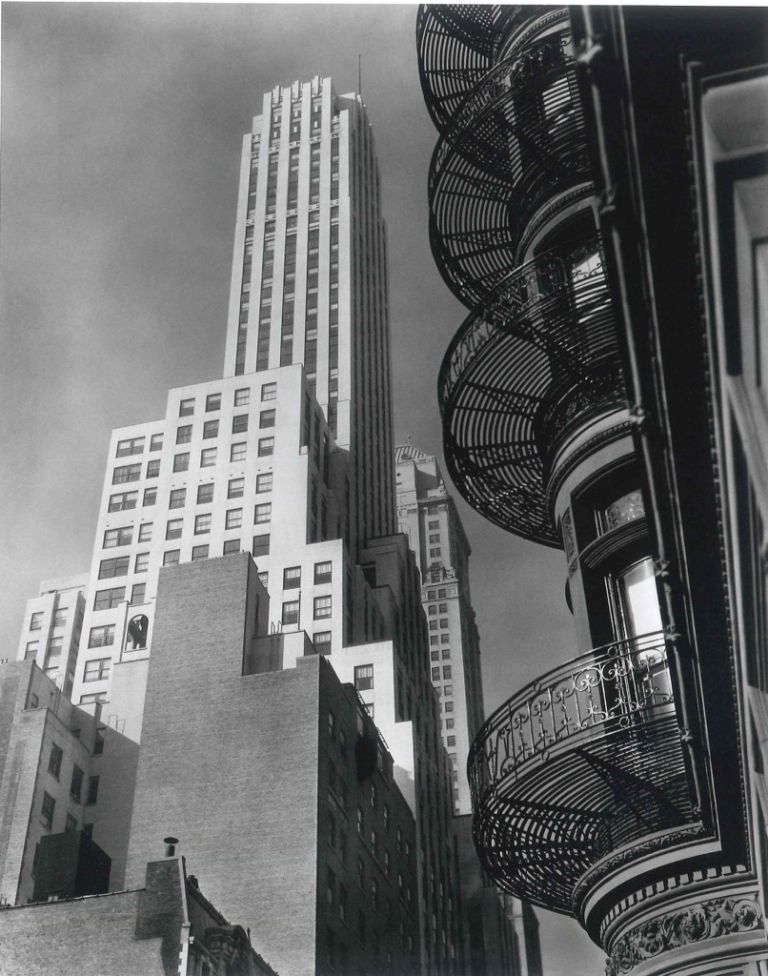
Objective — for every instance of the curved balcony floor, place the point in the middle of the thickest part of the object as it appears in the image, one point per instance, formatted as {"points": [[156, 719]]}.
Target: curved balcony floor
{"points": [[576, 766], [539, 354], [517, 142]]}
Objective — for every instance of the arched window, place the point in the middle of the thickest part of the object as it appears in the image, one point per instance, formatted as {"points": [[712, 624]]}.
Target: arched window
{"points": [[138, 629]]}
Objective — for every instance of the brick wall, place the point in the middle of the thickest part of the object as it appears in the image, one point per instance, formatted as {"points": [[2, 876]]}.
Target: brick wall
{"points": [[228, 762]]}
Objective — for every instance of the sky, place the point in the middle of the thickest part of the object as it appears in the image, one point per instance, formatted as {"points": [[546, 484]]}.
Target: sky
{"points": [[120, 147]]}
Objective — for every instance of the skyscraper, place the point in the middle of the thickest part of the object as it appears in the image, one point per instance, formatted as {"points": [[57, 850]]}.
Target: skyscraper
{"points": [[288, 457], [427, 515]]}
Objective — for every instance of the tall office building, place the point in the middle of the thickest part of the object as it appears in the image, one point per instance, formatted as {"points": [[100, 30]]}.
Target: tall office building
{"points": [[427, 515], [288, 457]]}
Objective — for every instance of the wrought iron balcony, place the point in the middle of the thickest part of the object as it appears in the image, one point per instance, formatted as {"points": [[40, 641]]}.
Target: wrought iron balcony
{"points": [[516, 141], [576, 766], [537, 356]]}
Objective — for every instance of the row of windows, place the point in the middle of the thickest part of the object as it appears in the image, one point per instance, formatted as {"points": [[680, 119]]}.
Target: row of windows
{"points": [[120, 566], [211, 428], [292, 575], [237, 452], [446, 673], [36, 619], [242, 398], [127, 501], [107, 599], [135, 445], [322, 607]]}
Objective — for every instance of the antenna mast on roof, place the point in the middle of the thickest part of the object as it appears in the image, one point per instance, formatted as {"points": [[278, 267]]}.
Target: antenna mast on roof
{"points": [[359, 77]]}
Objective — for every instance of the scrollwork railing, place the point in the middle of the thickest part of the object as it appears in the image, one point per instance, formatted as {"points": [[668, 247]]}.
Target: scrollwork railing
{"points": [[608, 690]]}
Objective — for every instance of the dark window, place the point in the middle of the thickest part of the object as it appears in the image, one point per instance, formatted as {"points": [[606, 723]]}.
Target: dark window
{"points": [[93, 789], [204, 494], [260, 545], [76, 784], [49, 805], [106, 599], [364, 677], [113, 567], [240, 423], [266, 419], [213, 401], [54, 760]]}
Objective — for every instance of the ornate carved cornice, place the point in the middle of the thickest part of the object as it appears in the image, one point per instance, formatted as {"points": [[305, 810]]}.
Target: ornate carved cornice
{"points": [[691, 925], [650, 845]]}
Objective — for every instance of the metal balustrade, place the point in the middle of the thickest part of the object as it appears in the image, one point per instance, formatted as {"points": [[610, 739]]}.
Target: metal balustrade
{"points": [[544, 339], [581, 762]]}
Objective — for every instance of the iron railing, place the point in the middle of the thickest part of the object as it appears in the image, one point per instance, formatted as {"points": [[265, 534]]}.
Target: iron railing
{"points": [[610, 689], [542, 340], [582, 766]]}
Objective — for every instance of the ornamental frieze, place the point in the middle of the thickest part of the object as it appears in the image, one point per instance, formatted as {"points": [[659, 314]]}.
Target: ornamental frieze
{"points": [[688, 926]]}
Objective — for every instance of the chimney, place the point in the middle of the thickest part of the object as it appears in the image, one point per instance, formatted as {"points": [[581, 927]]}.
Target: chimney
{"points": [[170, 845]]}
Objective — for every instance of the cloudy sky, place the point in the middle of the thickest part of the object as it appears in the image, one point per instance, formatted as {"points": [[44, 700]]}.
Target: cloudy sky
{"points": [[121, 135]]}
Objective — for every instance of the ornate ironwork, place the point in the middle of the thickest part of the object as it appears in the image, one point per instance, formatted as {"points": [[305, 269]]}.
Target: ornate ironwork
{"points": [[576, 765], [688, 926], [541, 349], [516, 140]]}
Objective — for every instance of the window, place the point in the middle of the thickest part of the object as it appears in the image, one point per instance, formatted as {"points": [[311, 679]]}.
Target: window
{"points": [[240, 423], [138, 593], [213, 401], [92, 699], [449, 706], [181, 462], [118, 537], [446, 672], [76, 783], [291, 577], [266, 419], [264, 481], [444, 638], [49, 805], [360, 821], [156, 443], [126, 472], [291, 612], [142, 562], [235, 488], [266, 446], [435, 524], [448, 689], [98, 745], [208, 457], [174, 528], [210, 429], [178, 498], [364, 677], [36, 620], [31, 650], [443, 608], [234, 518], [451, 740], [113, 567], [187, 407], [435, 674], [434, 553], [102, 636], [150, 496], [106, 599], [93, 790], [323, 572], [238, 451], [264, 580], [199, 552], [322, 641], [262, 513], [242, 397], [269, 391], [435, 537], [54, 760], [97, 669], [184, 434], [123, 502], [322, 607], [205, 493], [171, 557], [260, 545], [230, 546], [153, 468], [145, 532], [70, 825], [203, 523], [449, 723], [133, 445], [443, 622]]}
